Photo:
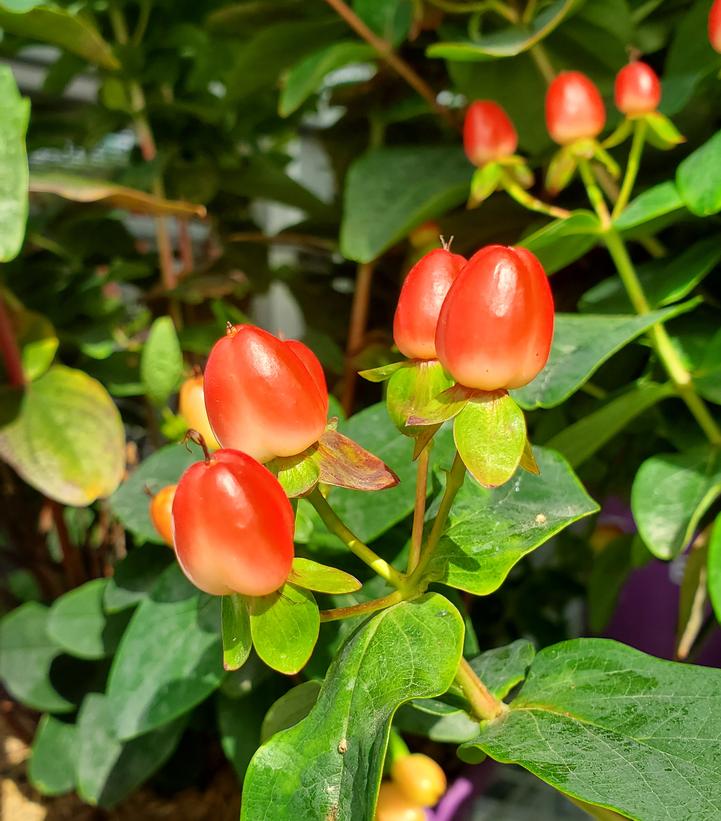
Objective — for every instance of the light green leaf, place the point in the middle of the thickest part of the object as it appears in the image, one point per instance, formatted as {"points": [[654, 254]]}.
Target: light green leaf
{"points": [[67, 438], [329, 765], [110, 769], [175, 631], [662, 133], [14, 115], [161, 362], [313, 576], [659, 201], [235, 621], [297, 474], [563, 241], [581, 344], [26, 654], [491, 530], [289, 709], [714, 568], [670, 494], [52, 760], [78, 624], [437, 720], [581, 440], [284, 626], [51, 24], [503, 668], [305, 78], [389, 191], [616, 728], [698, 178]]}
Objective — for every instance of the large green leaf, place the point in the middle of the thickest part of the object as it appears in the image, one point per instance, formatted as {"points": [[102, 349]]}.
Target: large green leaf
{"points": [[26, 654], [161, 362], [670, 494], [503, 668], [389, 19], [14, 115], [52, 760], [67, 438], [134, 576], [698, 178], [329, 765], [389, 191], [108, 768], [509, 41], [169, 659], [563, 241], [618, 729], [659, 201], [581, 344], [714, 568], [51, 24], [581, 440], [489, 531]]}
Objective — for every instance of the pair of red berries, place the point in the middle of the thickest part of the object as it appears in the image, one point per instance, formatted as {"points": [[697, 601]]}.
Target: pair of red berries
{"points": [[574, 111], [232, 522], [489, 319]]}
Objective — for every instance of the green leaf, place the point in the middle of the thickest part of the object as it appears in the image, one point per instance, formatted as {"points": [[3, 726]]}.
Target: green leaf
{"points": [[289, 709], [490, 434], [491, 530], [484, 182], [284, 626], [305, 78], [714, 568], [313, 576], [563, 241], [26, 655], [134, 576], [52, 24], [130, 502], [110, 769], [664, 280], [581, 440], [389, 19], [175, 631], [389, 191], [329, 765], [509, 41], [421, 390], [616, 728], [698, 178], [77, 623], [560, 171], [52, 761], [382, 373], [670, 494], [235, 625], [707, 374], [297, 474], [67, 439], [662, 133], [503, 668], [581, 344], [437, 720], [655, 202], [161, 362], [14, 116]]}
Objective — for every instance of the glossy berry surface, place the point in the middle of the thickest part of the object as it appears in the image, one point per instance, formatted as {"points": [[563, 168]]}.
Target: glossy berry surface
{"points": [[488, 133], [191, 406], [394, 805], [420, 301], [574, 108], [420, 778], [264, 395], [714, 26], [160, 512], [233, 526], [496, 324], [637, 89]]}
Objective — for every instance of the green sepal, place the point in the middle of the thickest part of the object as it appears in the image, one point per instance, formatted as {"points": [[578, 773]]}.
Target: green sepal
{"points": [[528, 460], [297, 474], [490, 434], [323, 579], [484, 182], [235, 627], [414, 391], [560, 170], [522, 174], [383, 372], [662, 133], [606, 160], [619, 135]]}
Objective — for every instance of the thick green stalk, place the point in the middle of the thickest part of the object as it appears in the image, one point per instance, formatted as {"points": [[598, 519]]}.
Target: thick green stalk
{"points": [[484, 704], [634, 161], [414, 555]]}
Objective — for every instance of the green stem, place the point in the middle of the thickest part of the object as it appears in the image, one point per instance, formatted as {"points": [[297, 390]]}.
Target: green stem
{"points": [[634, 161], [458, 7], [594, 193], [353, 543], [521, 196], [540, 57], [419, 511], [484, 704], [362, 609]]}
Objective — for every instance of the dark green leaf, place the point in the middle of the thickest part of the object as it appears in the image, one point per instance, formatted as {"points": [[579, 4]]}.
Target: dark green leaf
{"points": [[389, 19], [561, 242], [52, 761], [14, 115], [135, 576], [656, 202], [436, 720], [329, 765], [289, 709], [502, 668], [698, 178]]}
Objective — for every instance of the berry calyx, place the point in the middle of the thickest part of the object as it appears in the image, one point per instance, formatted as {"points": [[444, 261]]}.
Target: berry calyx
{"points": [[191, 406], [496, 324], [265, 396], [488, 133], [574, 108], [232, 526], [424, 289], [421, 778], [637, 89], [394, 805], [714, 26], [161, 505]]}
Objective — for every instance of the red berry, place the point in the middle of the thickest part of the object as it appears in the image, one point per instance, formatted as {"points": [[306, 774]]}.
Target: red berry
{"points": [[496, 325], [574, 108], [714, 26], [637, 89], [488, 133], [160, 507], [233, 526], [422, 294], [191, 407], [264, 396]]}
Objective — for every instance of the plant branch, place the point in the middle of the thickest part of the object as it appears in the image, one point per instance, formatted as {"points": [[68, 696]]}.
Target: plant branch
{"points": [[484, 704], [71, 560], [398, 64], [356, 331], [420, 508], [9, 348], [594, 193], [632, 166], [353, 543], [522, 197], [362, 609]]}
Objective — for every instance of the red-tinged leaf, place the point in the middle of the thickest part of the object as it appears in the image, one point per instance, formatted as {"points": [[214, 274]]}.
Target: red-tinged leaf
{"points": [[344, 463]]}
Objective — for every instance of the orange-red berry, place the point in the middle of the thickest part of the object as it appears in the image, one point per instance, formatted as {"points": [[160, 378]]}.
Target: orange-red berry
{"points": [[488, 133], [574, 108], [191, 406], [714, 26], [160, 508], [637, 89]]}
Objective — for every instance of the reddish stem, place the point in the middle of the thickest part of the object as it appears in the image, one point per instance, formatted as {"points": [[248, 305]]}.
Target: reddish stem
{"points": [[356, 331], [9, 348], [198, 438], [71, 559]]}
